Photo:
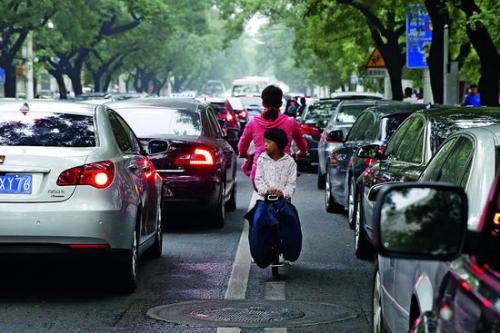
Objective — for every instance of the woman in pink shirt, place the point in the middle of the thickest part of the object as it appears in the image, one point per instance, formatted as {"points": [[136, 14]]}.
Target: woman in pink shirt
{"points": [[271, 117]]}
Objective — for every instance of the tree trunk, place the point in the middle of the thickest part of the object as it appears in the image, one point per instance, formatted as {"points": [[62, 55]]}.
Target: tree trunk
{"points": [[488, 56], [438, 12], [60, 83], [394, 62], [96, 76], [76, 81], [10, 81]]}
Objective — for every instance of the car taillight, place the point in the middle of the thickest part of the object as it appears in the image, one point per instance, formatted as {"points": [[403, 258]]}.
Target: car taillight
{"points": [[242, 115], [229, 117], [99, 175], [309, 130], [200, 157], [371, 161]]}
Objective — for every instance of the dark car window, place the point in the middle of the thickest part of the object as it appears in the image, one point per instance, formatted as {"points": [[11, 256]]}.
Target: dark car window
{"points": [[364, 128], [390, 124], [220, 108], [456, 165], [411, 146], [349, 113], [395, 140], [121, 135], [47, 129], [433, 169], [214, 123], [158, 122], [355, 132], [134, 142]]}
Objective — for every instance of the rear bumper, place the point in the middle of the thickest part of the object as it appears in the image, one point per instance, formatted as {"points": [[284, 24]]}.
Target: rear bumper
{"points": [[190, 193], [26, 227]]}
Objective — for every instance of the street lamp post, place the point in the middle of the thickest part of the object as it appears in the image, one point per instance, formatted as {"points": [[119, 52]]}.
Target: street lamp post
{"points": [[29, 72]]}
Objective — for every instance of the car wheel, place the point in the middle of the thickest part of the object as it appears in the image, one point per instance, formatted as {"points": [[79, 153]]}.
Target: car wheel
{"points": [[377, 315], [219, 214], [157, 247], [352, 205], [330, 205], [362, 248], [126, 272], [231, 204], [321, 180]]}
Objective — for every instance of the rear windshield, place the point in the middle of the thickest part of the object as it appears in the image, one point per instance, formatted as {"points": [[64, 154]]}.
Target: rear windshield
{"points": [[391, 124], [220, 108], [47, 130], [349, 113], [320, 111], [149, 123]]}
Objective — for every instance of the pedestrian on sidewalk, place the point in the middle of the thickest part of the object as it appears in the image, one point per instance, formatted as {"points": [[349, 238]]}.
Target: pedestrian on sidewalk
{"points": [[271, 117], [473, 98]]}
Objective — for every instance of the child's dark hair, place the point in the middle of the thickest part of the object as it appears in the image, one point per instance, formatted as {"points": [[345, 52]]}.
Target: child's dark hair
{"points": [[278, 136], [272, 99]]}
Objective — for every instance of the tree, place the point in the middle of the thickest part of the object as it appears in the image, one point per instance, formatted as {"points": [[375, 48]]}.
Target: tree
{"points": [[17, 20]]}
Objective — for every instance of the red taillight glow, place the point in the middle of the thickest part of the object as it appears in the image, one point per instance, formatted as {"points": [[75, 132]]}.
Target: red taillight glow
{"points": [[309, 130], [200, 157], [98, 174], [242, 115], [229, 117]]}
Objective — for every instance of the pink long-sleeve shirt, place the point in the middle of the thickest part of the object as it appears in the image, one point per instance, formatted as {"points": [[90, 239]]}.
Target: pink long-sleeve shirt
{"points": [[254, 131]]}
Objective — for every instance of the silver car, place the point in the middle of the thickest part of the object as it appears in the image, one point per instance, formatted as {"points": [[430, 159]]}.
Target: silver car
{"points": [[406, 289], [74, 179]]}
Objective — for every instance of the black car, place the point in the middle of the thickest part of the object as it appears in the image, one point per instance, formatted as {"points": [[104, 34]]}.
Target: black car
{"points": [[375, 125], [468, 292], [405, 157], [188, 149]]}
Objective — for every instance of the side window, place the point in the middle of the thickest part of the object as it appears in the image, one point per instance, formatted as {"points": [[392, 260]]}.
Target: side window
{"points": [[433, 169], [393, 144], [120, 134], [356, 132], [456, 166], [410, 149], [370, 128], [208, 129], [134, 142], [214, 123]]}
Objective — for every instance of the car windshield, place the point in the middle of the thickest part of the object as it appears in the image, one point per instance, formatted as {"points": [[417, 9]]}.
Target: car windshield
{"points": [[158, 122], [320, 111], [248, 89], [349, 113], [213, 88], [47, 129]]}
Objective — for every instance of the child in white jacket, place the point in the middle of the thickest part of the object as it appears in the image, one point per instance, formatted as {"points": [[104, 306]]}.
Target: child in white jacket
{"points": [[276, 171]]}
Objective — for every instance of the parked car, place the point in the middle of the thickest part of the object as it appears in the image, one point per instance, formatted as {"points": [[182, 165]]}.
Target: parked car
{"points": [[312, 122], [375, 125], [240, 111], [437, 272], [355, 95], [227, 120], [405, 157], [75, 180], [187, 147], [342, 118]]}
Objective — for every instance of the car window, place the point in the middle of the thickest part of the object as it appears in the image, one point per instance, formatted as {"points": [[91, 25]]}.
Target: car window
{"points": [[349, 113], [456, 165], [389, 125], [369, 128], [134, 142], [411, 146], [395, 140], [433, 169], [121, 135], [47, 129], [214, 123], [355, 134], [158, 122]]}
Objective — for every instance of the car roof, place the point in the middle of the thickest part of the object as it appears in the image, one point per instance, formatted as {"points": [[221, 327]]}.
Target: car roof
{"points": [[186, 104], [384, 110], [368, 102], [480, 131], [462, 115], [48, 106], [355, 95]]}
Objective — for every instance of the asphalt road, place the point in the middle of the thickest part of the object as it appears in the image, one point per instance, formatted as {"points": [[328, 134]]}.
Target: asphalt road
{"points": [[67, 295]]}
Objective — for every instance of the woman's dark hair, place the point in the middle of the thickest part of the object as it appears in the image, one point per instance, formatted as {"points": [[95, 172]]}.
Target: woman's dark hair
{"points": [[272, 99]]}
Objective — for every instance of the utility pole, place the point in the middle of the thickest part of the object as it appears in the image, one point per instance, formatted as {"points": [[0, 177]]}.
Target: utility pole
{"points": [[446, 34], [29, 70]]}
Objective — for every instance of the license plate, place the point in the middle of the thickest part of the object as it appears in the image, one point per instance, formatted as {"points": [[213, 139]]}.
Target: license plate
{"points": [[15, 184]]}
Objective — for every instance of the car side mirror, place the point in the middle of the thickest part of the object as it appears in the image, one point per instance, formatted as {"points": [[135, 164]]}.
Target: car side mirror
{"points": [[423, 221], [336, 136], [157, 147], [370, 151]]}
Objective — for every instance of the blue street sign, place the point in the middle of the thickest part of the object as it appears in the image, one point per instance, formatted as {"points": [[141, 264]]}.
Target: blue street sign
{"points": [[418, 37], [2, 76]]}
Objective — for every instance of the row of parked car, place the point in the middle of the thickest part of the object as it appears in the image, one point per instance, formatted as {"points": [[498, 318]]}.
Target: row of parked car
{"points": [[418, 186], [78, 178]]}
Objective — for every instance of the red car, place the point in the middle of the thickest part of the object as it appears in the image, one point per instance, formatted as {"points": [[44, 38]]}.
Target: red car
{"points": [[228, 119], [188, 149]]}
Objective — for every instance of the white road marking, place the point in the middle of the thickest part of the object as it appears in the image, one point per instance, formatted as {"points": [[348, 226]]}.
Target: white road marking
{"points": [[228, 330]]}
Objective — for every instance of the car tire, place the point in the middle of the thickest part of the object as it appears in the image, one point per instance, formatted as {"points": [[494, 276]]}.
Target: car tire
{"points": [[157, 247], [321, 180], [219, 214], [377, 314], [127, 268], [362, 248], [231, 203], [352, 206], [330, 205]]}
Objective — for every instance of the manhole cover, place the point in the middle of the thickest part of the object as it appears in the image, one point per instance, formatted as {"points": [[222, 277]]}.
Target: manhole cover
{"points": [[253, 314]]}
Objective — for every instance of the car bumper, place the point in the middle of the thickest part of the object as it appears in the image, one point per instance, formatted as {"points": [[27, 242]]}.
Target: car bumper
{"points": [[60, 227], [195, 193]]}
